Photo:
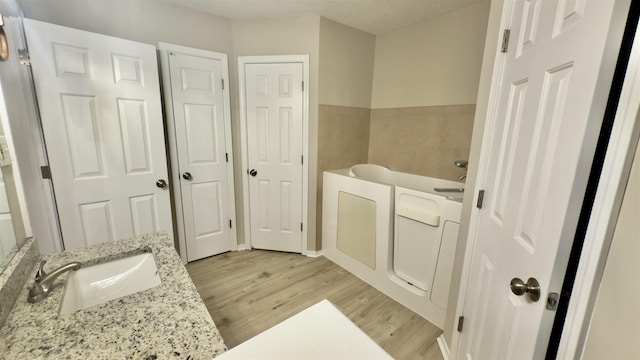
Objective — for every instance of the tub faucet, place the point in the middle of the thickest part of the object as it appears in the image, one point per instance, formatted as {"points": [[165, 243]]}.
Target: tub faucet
{"points": [[44, 281], [463, 165]]}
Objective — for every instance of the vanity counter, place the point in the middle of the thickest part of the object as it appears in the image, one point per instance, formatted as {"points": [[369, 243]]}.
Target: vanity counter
{"points": [[167, 321]]}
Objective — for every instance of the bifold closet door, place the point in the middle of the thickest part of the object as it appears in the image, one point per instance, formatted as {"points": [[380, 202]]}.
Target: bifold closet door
{"points": [[99, 100], [199, 123]]}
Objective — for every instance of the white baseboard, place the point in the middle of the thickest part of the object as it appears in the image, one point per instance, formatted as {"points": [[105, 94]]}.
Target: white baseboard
{"points": [[242, 247], [314, 254], [444, 349]]}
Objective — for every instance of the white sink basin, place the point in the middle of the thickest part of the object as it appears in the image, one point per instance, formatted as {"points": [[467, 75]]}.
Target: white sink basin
{"points": [[100, 283]]}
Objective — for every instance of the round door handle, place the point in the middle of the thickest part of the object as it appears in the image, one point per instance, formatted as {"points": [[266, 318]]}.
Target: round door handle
{"points": [[531, 288], [187, 176], [161, 184], [253, 172]]}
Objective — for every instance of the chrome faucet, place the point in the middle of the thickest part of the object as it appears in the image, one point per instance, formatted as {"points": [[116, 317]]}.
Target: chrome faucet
{"points": [[44, 282], [463, 165]]}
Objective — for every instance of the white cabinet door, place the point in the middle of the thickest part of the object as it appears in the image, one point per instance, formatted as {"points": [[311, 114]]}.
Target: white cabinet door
{"points": [[274, 117], [199, 122], [536, 170], [99, 100]]}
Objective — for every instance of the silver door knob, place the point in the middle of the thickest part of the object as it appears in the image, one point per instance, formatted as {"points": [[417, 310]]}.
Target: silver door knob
{"points": [[531, 288], [161, 184], [253, 172], [187, 176]]}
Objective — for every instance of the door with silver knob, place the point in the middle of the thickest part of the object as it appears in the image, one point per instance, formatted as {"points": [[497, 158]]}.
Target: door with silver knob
{"points": [[274, 109], [206, 192], [104, 133], [531, 288], [530, 167]]}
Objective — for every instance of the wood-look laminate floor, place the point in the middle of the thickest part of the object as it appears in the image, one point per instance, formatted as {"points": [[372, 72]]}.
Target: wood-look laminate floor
{"points": [[248, 292]]}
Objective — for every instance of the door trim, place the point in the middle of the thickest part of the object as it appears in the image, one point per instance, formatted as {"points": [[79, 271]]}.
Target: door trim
{"points": [[275, 59], [624, 138], [176, 198]]}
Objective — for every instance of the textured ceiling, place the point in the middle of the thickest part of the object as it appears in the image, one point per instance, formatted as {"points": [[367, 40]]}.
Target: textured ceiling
{"points": [[373, 16]]}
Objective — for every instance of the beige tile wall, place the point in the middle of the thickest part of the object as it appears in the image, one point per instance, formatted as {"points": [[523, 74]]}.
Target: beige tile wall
{"points": [[421, 140], [343, 140]]}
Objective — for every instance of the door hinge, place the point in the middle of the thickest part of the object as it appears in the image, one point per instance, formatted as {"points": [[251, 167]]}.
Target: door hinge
{"points": [[480, 199], [230, 224], [46, 172], [23, 56], [222, 84], [303, 86], [302, 159], [505, 40], [226, 155], [300, 226], [460, 323]]}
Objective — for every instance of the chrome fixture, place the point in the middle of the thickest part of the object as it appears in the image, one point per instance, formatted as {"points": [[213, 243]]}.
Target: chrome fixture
{"points": [[44, 282], [449, 189], [531, 288], [462, 164]]}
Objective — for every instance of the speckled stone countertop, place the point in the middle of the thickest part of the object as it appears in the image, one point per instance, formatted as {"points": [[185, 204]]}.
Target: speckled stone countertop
{"points": [[169, 321]]}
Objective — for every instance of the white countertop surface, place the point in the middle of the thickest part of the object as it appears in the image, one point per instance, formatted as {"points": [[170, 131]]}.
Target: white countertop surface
{"points": [[319, 332]]}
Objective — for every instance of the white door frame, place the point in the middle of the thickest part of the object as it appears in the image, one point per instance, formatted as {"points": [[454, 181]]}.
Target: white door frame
{"points": [[275, 59], [615, 173], [624, 138], [164, 50]]}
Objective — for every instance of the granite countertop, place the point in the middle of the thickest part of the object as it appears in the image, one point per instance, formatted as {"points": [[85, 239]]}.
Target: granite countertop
{"points": [[167, 321]]}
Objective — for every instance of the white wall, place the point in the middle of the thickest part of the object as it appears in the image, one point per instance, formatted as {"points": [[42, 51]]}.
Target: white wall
{"points": [[138, 20], [346, 65], [434, 62], [614, 332], [298, 36]]}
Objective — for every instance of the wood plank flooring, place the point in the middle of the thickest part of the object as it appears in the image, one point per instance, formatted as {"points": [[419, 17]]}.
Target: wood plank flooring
{"points": [[248, 292]]}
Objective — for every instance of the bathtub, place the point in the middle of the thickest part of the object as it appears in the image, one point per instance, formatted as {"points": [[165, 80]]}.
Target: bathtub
{"points": [[395, 232]]}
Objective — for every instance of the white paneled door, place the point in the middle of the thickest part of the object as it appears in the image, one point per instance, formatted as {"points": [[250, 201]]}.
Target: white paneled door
{"points": [[203, 162], [101, 115], [274, 116], [548, 110]]}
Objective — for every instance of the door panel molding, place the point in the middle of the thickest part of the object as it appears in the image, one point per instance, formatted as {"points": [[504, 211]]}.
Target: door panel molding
{"points": [[176, 175], [99, 99], [527, 231], [275, 59]]}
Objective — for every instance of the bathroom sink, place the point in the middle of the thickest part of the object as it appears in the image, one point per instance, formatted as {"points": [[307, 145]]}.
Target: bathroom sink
{"points": [[97, 284]]}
